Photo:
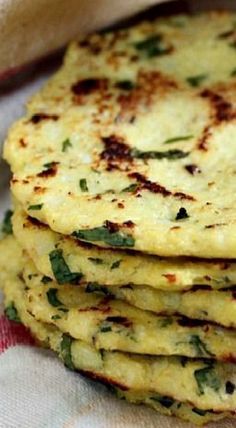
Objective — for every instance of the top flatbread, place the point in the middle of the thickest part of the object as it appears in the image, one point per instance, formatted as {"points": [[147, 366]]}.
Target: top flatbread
{"points": [[132, 143]]}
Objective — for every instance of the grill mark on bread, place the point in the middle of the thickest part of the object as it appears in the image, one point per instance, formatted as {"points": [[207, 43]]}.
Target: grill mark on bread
{"points": [[88, 86], [33, 222], [39, 117], [157, 188]]}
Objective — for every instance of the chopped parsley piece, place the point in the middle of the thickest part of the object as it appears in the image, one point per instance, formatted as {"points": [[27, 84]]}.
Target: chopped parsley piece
{"points": [[116, 264], [233, 72], [49, 165], [126, 85], [152, 46], [229, 387], [61, 270], [168, 154], [35, 207], [52, 297], [207, 377], [131, 188], [11, 313], [94, 287], [6, 224], [181, 214], [83, 185], [55, 317], [166, 321], [103, 234], [105, 328], [46, 279], [66, 344], [163, 400], [200, 346], [175, 139], [66, 144], [195, 81], [199, 412], [96, 260], [232, 45]]}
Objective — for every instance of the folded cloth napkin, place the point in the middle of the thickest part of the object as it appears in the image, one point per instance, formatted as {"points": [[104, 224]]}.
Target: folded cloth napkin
{"points": [[32, 29]]}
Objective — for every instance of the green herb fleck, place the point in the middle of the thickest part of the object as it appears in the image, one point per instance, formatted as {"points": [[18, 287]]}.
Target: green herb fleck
{"points": [[6, 224], [55, 317], [168, 154], [233, 72], [35, 207], [175, 139], [11, 313], [163, 400], [200, 346], [66, 144], [195, 81], [232, 45], [152, 46], [94, 287], [126, 85], [207, 377], [105, 328], [52, 297], [181, 214], [131, 188], [46, 279], [49, 165], [103, 234], [96, 260], [66, 344], [165, 322], [61, 270], [83, 185], [116, 264], [199, 412], [63, 309]]}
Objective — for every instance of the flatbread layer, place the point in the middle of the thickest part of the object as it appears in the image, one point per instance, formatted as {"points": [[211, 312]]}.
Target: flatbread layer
{"points": [[131, 144]]}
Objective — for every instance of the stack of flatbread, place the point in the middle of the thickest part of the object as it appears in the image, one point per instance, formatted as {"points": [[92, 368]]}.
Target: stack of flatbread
{"points": [[122, 257]]}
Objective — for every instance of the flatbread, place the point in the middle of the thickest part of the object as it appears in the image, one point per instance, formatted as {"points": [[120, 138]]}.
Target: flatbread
{"points": [[118, 268], [138, 376], [131, 144]]}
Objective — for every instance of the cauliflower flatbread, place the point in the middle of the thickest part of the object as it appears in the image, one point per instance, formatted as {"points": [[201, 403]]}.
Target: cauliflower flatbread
{"points": [[205, 385], [131, 144], [107, 267]]}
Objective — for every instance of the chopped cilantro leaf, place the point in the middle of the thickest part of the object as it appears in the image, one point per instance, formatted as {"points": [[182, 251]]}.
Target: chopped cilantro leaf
{"points": [[66, 144], [175, 139], [116, 264], [52, 297], [163, 400], [6, 224], [168, 154], [152, 46], [181, 214], [35, 207], [96, 260], [195, 81], [46, 279], [11, 313], [207, 377], [233, 72], [105, 328], [61, 270], [131, 188], [66, 344], [94, 287], [126, 85], [83, 185], [103, 234], [200, 346], [55, 317]]}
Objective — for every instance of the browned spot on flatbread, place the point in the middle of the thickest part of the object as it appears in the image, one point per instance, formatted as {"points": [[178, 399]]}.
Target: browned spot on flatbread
{"points": [[39, 117]]}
